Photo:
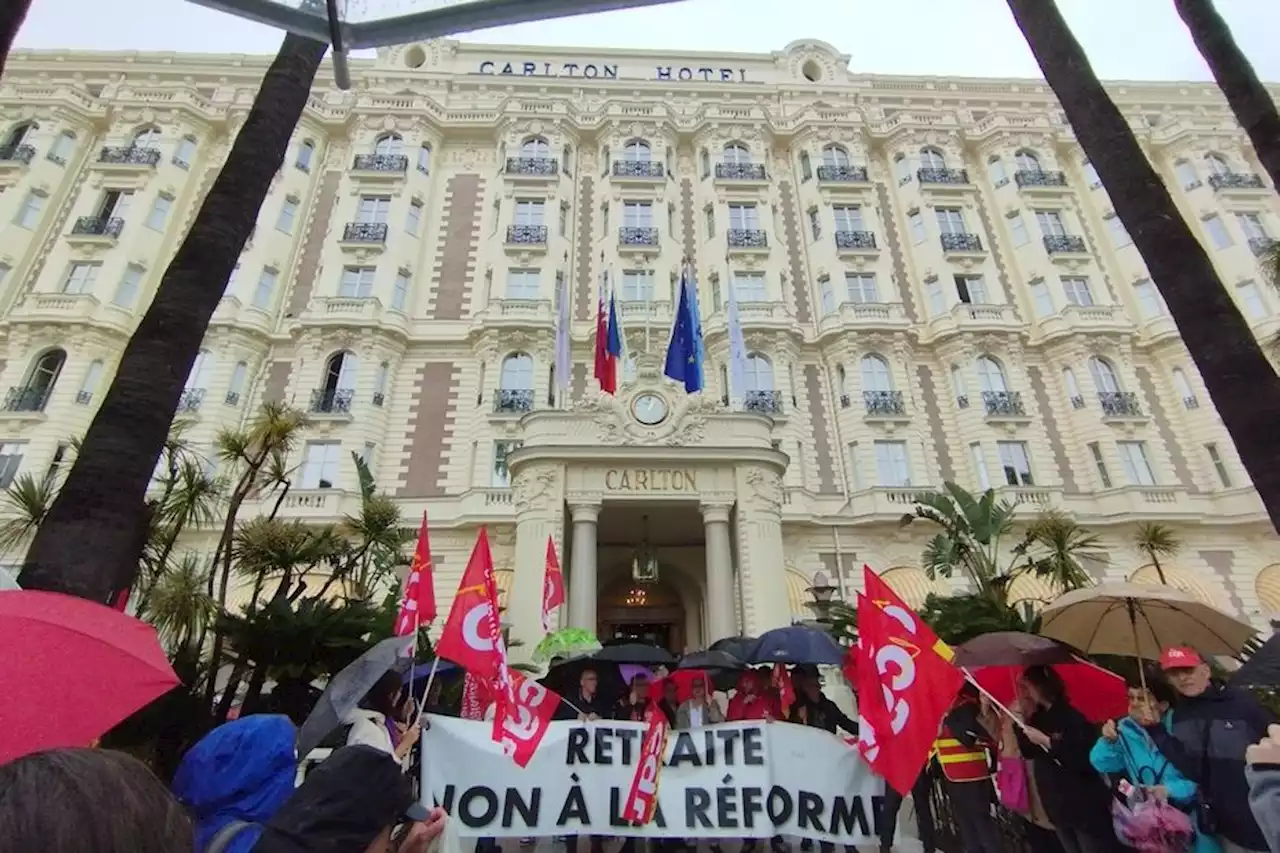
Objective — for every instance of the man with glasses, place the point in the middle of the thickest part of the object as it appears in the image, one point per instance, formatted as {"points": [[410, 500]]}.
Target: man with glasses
{"points": [[585, 706]]}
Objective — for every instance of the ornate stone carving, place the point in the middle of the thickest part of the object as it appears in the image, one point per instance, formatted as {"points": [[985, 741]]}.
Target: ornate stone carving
{"points": [[766, 488], [533, 486]]}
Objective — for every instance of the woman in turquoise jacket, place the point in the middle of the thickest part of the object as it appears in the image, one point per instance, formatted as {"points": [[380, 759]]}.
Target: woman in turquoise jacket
{"points": [[1125, 748]]}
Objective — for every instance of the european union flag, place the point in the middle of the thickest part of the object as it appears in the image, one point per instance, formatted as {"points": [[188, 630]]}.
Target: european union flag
{"points": [[685, 353]]}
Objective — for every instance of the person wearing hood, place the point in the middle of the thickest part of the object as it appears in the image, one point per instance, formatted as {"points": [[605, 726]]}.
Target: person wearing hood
{"points": [[376, 721], [1213, 726], [235, 778], [750, 702], [356, 801], [1126, 748]]}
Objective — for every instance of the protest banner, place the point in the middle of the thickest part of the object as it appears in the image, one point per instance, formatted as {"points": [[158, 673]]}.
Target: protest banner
{"points": [[734, 780]]}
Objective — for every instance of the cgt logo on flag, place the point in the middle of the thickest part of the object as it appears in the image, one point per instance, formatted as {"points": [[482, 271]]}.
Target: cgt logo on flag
{"points": [[520, 726], [642, 799], [472, 636]]}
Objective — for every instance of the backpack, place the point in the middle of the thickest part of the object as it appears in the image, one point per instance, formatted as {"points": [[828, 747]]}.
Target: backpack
{"points": [[223, 837]]}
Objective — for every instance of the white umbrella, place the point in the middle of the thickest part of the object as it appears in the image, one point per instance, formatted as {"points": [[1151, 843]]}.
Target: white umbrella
{"points": [[1141, 620]]}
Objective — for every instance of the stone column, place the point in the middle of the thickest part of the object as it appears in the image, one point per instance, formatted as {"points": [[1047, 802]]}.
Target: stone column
{"points": [[582, 574], [720, 619], [538, 515], [760, 554]]}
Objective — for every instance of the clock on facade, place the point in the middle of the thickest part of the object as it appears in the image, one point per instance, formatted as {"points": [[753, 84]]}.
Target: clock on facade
{"points": [[649, 409]]}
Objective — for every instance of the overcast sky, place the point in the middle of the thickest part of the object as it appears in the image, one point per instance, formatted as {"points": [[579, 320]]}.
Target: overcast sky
{"points": [[1126, 39]]}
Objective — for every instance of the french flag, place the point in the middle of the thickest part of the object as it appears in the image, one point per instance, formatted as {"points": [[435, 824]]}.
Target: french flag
{"points": [[608, 344]]}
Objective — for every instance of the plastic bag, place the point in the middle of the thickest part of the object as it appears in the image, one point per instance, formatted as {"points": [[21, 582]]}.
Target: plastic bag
{"points": [[1151, 825], [1011, 782]]}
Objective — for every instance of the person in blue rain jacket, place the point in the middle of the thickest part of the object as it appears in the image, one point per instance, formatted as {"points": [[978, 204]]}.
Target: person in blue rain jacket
{"points": [[240, 773], [1126, 748]]}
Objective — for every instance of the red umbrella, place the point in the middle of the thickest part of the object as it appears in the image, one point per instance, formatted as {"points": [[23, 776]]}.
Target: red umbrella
{"points": [[683, 680], [72, 670]]}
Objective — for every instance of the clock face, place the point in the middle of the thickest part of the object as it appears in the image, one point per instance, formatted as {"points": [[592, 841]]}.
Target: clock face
{"points": [[649, 409]]}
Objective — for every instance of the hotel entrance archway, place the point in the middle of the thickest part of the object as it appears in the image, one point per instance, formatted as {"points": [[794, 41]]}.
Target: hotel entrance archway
{"points": [[650, 613]]}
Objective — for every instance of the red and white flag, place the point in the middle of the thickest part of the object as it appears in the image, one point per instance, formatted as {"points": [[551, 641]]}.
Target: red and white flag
{"points": [[475, 698], [552, 586], [780, 680], [418, 606], [642, 799], [472, 635], [520, 725]]}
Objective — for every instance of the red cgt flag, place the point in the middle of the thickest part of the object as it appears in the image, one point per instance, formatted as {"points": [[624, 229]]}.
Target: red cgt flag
{"points": [[472, 635], [418, 607], [475, 698], [552, 586], [906, 688], [642, 798], [780, 680], [519, 726], [883, 596]]}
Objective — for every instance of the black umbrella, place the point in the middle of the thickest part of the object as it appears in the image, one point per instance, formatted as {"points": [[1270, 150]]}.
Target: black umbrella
{"points": [[348, 687], [565, 677], [721, 667], [640, 654], [1262, 669], [736, 646], [1013, 648], [796, 644]]}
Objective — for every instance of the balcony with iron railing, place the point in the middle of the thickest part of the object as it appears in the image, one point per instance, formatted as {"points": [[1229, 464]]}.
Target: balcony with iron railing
{"points": [[532, 167], [365, 233], [128, 155], [883, 404], [191, 400], [512, 401], [641, 170], [765, 402], [856, 241], [942, 176], [1003, 404], [1028, 179], [1119, 404], [16, 154], [741, 172], [633, 235], [526, 235], [1064, 244], [843, 174], [232, 398], [960, 242], [385, 164], [24, 398], [1261, 245], [1236, 181], [331, 401], [98, 226], [747, 238]]}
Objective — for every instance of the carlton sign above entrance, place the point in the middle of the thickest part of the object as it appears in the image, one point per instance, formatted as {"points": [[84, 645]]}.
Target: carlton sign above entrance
{"points": [[651, 480]]}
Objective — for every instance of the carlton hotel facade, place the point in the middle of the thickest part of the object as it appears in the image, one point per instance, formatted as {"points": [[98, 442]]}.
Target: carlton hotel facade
{"points": [[932, 283]]}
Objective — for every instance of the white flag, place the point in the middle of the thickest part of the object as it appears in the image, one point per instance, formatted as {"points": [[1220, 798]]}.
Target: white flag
{"points": [[737, 348], [563, 356]]}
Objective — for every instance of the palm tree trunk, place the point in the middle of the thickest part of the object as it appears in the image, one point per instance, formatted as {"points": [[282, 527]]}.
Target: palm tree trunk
{"points": [[1249, 99], [88, 545], [12, 14], [1240, 380], [1155, 561]]}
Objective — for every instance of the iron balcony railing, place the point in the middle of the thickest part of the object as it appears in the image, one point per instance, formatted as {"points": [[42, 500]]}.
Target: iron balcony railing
{"points": [[766, 402], [26, 399], [233, 398], [633, 235], [942, 176], [1235, 181], [961, 243], [17, 153], [528, 235], [883, 403], [748, 238], [365, 232], [638, 169], [513, 400], [380, 163], [1003, 403], [191, 400], [1059, 243], [534, 166], [98, 226], [1120, 404], [1261, 245], [740, 172], [331, 401], [849, 174], [1038, 178], [129, 155], [855, 240]]}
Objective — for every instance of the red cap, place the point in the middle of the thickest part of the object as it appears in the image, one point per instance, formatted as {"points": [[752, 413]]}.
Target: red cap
{"points": [[1180, 657]]}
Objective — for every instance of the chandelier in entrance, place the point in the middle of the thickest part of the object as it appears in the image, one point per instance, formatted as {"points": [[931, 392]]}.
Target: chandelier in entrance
{"points": [[644, 564]]}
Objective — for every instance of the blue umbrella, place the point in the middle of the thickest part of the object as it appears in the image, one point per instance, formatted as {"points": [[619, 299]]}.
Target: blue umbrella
{"points": [[796, 644]]}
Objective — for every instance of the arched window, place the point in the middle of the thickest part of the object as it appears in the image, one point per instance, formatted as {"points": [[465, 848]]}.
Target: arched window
{"points": [[40, 382], [996, 171], [63, 147], [806, 168], [1217, 163], [380, 380], [1073, 388], [517, 372], [932, 158], [185, 154], [902, 168], [1027, 161], [876, 375], [737, 154], [424, 159], [842, 381], [1186, 174], [147, 137], [991, 376], [1104, 376], [306, 152], [238, 377], [20, 134], [535, 146], [759, 374], [198, 378], [1183, 388], [704, 162], [637, 151], [958, 386], [388, 144], [835, 155], [89, 387], [339, 383]]}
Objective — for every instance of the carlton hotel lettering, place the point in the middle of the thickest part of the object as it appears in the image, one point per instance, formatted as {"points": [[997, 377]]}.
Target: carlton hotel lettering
{"points": [[607, 71]]}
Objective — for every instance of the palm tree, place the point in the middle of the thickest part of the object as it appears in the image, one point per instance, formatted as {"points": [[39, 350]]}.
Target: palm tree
{"points": [[1244, 387], [90, 540], [1249, 99], [1057, 548], [26, 503], [1156, 541], [12, 14], [179, 605]]}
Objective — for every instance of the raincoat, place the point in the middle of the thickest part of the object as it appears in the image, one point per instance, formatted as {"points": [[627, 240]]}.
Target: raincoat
{"points": [[240, 771], [1135, 755], [757, 705]]}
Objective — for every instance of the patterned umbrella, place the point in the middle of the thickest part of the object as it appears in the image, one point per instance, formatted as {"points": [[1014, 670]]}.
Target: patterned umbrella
{"points": [[566, 643]]}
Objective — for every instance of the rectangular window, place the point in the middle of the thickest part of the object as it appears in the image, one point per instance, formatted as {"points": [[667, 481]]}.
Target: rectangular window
{"points": [[950, 220], [1217, 232], [320, 464], [637, 214], [263, 293], [862, 287], [1018, 230], [854, 473], [1095, 450], [288, 213], [849, 218], [1137, 467], [915, 224], [501, 474], [564, 219], [1076, 289], [749, 287], [29, 214], [828, 295], [522, 284], [529, 211], [892, 467], [1015, 463], [373, 209], [972, 289], [400, 292], [1150, 303], [937, 299], [1091, 175], [127, 290], [1119, 235], [1041, 298], [159, 213], [1251, 299], [980, 465], [1251, 225], [637, 285], [1218, 465], [1050, 222], [80, 278], [815, 223], [744, 217], [711, 222], [357, 282], [11, 453], [413, 220], [231, 280]]}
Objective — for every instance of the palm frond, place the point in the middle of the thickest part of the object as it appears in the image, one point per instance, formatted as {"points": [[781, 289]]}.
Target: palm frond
{"points": [[27, 501], [179, 604], [1157, 540]]}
